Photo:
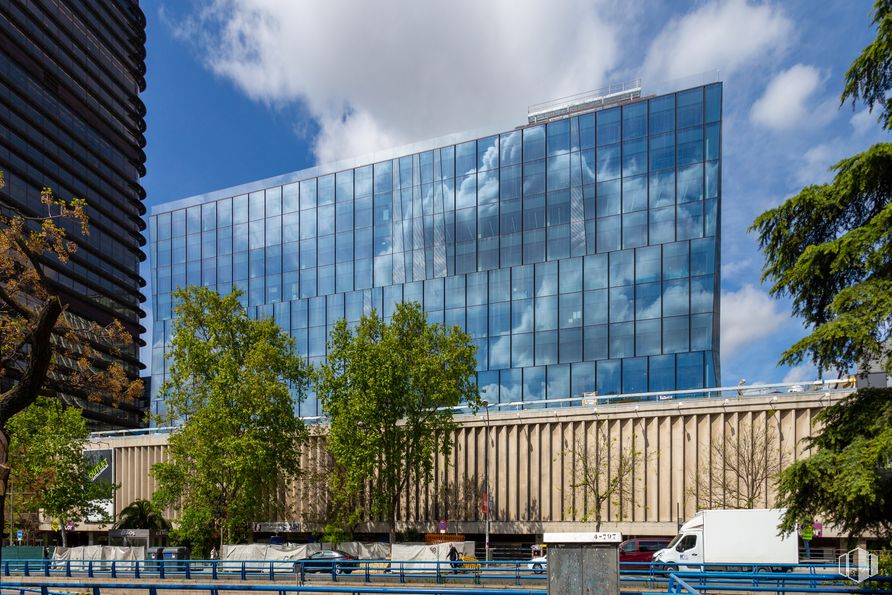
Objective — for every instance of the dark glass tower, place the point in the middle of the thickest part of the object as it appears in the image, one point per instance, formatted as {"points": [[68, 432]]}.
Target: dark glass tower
{"points": [[581, 254], [71, 119]]}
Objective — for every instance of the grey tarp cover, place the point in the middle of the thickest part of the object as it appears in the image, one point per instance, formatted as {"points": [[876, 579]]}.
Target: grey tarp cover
{"points": [[363, 551], [264, 551], [105, 553], [416, 553]]}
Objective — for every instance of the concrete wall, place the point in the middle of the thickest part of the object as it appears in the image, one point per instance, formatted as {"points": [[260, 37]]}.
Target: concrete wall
{"points": [[532, 464]]}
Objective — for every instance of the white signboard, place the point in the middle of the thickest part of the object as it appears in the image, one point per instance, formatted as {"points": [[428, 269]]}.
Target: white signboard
{"points": [[585, 537]]}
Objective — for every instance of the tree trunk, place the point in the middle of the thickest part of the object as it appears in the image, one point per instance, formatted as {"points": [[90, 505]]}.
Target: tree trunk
{"points": [[64, 532]]}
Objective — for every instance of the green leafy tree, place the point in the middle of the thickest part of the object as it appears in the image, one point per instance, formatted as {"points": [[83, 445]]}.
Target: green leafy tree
{"points": [[829, 249], [848, 479], [49, 468], [142, 514], [389, 390], [230, 390]]}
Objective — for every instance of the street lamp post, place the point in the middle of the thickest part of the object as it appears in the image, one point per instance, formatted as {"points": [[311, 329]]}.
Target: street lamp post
{"points": [[486, 494]]}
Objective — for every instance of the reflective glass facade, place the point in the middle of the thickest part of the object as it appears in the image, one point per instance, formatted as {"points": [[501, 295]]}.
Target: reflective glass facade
{"points": [[71, 119], [580, 255]]}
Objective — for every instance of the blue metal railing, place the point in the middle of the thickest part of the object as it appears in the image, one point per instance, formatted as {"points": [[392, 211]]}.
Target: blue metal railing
{"points": [[212, 589]]}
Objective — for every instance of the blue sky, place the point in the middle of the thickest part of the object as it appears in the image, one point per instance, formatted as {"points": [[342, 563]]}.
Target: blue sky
{"points": [[240, 90]]}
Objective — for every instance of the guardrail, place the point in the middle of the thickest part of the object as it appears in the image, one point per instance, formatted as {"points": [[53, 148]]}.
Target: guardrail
{"points": [[792, 577], [11, 588]]}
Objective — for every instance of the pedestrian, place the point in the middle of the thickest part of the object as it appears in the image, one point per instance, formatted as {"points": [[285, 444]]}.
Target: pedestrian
{"points": [[453, 558], [46, 553], [214, 553]]}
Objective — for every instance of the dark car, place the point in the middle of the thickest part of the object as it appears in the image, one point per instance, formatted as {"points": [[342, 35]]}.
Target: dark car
{"points": [[640, 550], [324, 560]]}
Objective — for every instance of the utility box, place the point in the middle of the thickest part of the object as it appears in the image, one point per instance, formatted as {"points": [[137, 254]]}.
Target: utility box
{"points": [[585, 563]]}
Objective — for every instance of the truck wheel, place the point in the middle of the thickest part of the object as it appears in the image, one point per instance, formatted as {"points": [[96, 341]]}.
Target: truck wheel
{"points": [[670, 568], [537, 568]]}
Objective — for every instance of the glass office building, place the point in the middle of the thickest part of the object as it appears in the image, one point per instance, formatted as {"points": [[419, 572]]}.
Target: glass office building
{"points": [[581, 254], [71, 119]]}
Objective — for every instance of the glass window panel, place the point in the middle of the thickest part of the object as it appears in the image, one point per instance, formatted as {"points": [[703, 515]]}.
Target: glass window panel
{"points": [[488, 153], [675, 260], [622, 340], [635, 375], [326, 220], [662, 373], [690, 220], [522, 316], [710, 217], [164, 232], [291, 227], [308, 194], [307, 224], [690, 108], [662, 114], [647, 264], [383, 270], [588, 166], [546, 313], [290, 198], [634, 157], [325, 280], [662, 225], [647, 337], [558, 137], [714, 102], [273, 201], [522, 282], [308, 283], [325, 250], [465, 158], [500, 352], [546, 347], [702, 293], [582, 378], [701, 331], [534, 177], [344, 186], [570, 278], [634, 120], [477, 321], [546, 278], [500, 285], [239, 209], [256, 201], [455, 291], [622, 268], [634, 229], [596, 268], [690, 370], [690, 146], [476, 288], [608, 234], [595, 307], [499, 318], [713, 146], [676, 297], [587, 131], [558, 172], [712, 179], [609, 198], [558, 242], [209, 216], [675, 334], [609, 374], [558, 382], [703, 256], [533, 143], [193, 220], [608, 162], [383, 176], [622, 304], [608, 126], [325, 189], [256, 234], [571, 310], [595, 342], [510, 148], [690, 183], [634, 194], [534, 245], [522, 350], [273, 260], [273, 230], [648, 300], [344, 216], [662, 189], [511, 248], [433, 295]]}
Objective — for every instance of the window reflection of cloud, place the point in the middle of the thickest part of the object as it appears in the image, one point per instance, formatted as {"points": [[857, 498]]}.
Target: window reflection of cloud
{"points": [[487, 186], [675, 299], [500, 352]]}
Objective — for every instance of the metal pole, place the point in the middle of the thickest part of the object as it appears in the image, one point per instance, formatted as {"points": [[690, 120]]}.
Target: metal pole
{"points": [[486, 483]]}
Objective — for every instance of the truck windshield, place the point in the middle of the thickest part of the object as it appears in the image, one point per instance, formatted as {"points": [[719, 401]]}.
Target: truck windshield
{"points": [[673, 542]]}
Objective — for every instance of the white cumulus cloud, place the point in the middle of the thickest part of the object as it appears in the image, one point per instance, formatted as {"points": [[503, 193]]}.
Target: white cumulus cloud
{"points": [[377, 74], [720, 35], [748, 314], [788, 98]]}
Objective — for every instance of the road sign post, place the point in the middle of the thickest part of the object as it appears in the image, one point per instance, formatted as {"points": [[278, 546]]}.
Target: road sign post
{"points": [[586, 563], [442, 526]]}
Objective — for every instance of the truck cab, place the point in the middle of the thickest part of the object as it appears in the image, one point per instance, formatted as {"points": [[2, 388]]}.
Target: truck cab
{"points": [[686, 548]]}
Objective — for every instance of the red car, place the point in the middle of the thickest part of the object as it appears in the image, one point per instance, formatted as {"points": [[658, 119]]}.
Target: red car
{"points": [[640, 550]]}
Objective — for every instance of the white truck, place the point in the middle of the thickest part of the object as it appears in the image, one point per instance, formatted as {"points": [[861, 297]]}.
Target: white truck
{"points": [[731, 538]]}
